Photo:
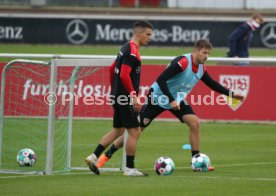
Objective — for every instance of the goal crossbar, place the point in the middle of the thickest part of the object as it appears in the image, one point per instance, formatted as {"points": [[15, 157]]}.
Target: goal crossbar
{"points": [[82, 62]]}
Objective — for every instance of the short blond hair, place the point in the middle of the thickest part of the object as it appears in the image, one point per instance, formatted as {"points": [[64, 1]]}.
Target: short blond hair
{"points": [[259, 16]]}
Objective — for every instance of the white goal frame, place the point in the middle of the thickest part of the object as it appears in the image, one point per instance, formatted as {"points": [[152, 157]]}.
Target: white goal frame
{"points": [[101, 62], [3, 81]]}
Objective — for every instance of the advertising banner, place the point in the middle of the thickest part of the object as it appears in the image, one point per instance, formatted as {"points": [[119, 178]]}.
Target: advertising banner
{"points": [[117, 31], [256, 83]]}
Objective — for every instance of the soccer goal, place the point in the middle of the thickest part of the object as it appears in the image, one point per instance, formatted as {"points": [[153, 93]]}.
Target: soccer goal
{"points": [[44, 103]]}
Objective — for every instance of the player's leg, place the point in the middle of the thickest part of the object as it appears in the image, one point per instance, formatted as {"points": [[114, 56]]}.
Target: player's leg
{"points": [[131, 145], [117, 121], [187, 115], [107, 139], [148, 113], [146, 116], [193, 123], [117, 144], [128, 118], [131, 123]]}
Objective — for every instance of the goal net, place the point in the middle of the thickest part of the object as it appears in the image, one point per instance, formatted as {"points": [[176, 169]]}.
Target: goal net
{"points": [[43, 105]]}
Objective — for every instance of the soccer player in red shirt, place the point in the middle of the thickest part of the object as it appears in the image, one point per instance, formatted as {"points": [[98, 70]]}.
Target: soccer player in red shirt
{"points": [[125, 81]]}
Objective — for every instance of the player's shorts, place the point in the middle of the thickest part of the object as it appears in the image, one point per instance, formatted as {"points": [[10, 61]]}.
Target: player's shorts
{"points": [[151, 110], [125, 116]]}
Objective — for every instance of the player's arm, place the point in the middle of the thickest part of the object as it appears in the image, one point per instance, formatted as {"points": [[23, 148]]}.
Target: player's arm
{"points": [[177, 66], [127, 83], [211, 83], [232, 40], [126, 79], [111, 71]]}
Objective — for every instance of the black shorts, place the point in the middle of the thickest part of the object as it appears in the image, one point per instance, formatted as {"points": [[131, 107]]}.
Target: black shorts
{"points": [[151, 110], [125, 116]]}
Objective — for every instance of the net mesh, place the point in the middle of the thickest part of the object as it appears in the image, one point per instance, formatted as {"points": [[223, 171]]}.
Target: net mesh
{"points": [[26, 108], [25, 115], [92, 113]]}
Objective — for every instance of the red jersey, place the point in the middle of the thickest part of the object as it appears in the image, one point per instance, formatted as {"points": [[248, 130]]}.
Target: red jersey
{"points": [[126, 71]]}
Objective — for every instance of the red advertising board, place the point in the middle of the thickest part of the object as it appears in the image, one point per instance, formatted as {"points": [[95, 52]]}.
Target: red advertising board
{"points": [[256, 83]]}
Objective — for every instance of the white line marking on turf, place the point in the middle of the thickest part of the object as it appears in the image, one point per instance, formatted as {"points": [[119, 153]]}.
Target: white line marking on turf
{"points": [[232, 178], [18, 176], [211, 177], [230, 165], [246, 164]]}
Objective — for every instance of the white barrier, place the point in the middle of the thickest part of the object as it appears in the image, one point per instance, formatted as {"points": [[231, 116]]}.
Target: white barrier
{"points": [[69, 56]]}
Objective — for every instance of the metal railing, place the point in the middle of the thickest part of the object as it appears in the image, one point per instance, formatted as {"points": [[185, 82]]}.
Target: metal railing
{"points": [[69, 56]]}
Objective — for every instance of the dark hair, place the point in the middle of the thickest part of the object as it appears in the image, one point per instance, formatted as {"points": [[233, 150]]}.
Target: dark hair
{"points": [[143, 24], [203, 43]]}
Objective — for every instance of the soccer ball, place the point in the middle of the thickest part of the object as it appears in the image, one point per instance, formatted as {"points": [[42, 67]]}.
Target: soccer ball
{"points": [[200, 162], [26, 157], [164, 166]]}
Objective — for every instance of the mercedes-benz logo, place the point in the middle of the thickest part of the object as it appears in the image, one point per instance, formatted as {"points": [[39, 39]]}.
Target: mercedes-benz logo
{"points": [[77, 31], [268, 35]]}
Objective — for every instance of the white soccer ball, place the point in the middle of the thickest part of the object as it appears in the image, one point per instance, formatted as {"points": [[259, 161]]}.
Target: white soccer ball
{"points": [[164, 166], [26, 157], [200, 162]]}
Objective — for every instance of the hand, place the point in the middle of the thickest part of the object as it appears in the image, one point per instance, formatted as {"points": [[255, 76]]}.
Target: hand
{"points": [[175, 105], [231, 55], [136, 104], [228, 54], [238, 96]]}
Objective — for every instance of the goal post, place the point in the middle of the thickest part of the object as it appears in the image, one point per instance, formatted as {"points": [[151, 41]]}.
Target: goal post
{"points": [[84, 70], [51, 119], [12, 115], [36, 112]]}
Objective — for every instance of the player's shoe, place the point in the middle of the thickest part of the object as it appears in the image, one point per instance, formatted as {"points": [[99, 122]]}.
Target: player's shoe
{"points": [[134, 172], [92, 163], [210, 168], [102, 160]]}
